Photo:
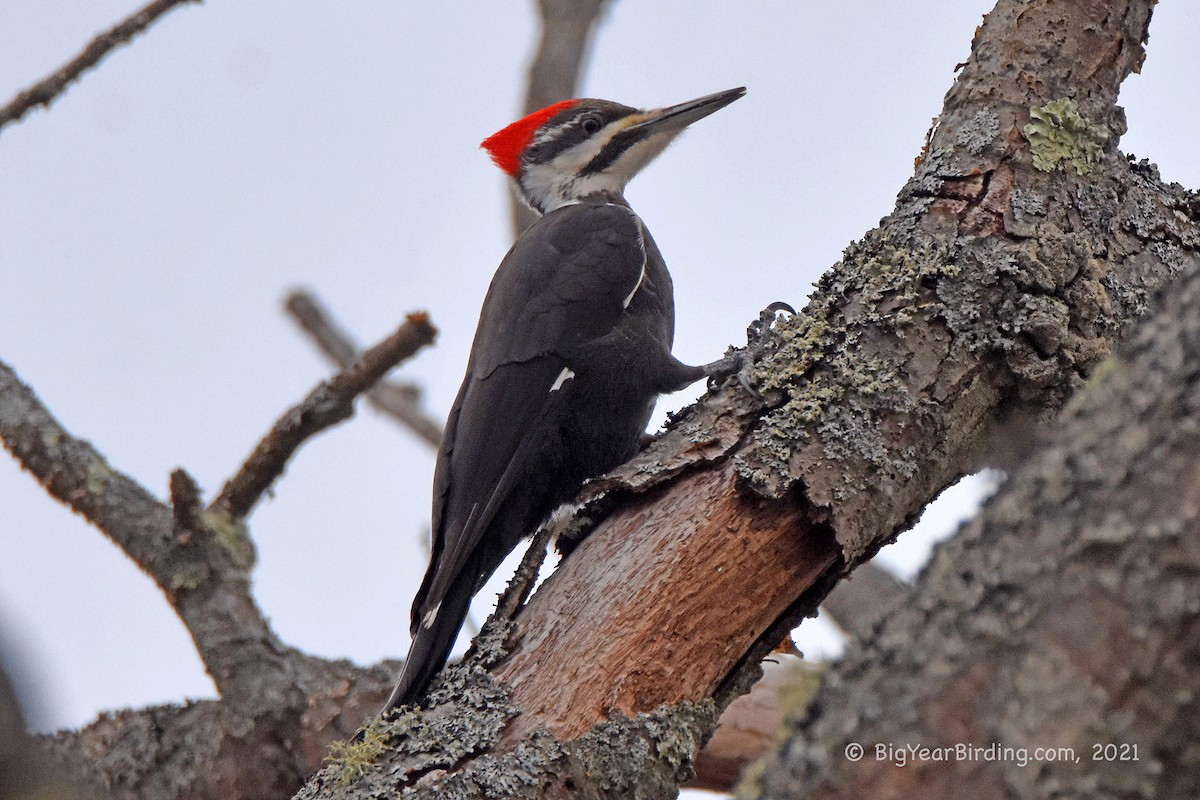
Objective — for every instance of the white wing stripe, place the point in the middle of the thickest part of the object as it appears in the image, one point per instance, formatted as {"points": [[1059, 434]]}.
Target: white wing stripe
{"points": [[562, 378], [642, 275]]}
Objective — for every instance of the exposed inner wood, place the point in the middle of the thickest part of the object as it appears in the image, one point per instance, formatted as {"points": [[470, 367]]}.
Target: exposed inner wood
{"points": [[679, 650]]}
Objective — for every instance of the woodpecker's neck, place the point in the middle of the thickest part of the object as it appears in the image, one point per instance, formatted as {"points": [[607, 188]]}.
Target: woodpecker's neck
{"points": [[544, 190]]}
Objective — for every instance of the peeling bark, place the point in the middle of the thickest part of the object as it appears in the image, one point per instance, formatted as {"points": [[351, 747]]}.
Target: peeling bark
{"points": [[1016, 257], [1019, 253]]}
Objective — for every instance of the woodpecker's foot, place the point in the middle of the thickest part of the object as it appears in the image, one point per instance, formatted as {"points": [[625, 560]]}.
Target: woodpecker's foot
{"points": [[756, 342], [736, 361], [726, 365], [756, 332], [741, 361]]}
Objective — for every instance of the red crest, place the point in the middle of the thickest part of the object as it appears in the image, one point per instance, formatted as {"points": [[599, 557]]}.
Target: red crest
{"points": [[506, 145]]}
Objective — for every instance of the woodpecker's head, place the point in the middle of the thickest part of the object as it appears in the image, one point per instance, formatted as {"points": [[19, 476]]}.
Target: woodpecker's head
{"points": [[581, 147]]}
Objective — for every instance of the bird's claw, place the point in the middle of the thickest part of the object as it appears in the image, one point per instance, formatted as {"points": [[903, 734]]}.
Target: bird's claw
{"points": [[756, 332], [756, 342], [741, 361]]}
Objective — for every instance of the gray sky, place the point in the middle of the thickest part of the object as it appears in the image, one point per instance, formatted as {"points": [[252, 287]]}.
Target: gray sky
{"points": [[154, 217]]}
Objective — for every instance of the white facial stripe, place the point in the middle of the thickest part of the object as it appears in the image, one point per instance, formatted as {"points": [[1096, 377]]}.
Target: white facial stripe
{"points": [[555, 184], [562, 378]]}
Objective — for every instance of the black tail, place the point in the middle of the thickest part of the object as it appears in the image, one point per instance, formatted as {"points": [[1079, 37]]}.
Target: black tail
{"points": [[430, 648]]}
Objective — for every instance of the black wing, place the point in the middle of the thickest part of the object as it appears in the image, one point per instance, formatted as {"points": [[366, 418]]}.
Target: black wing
{"points": [[564, 283]]}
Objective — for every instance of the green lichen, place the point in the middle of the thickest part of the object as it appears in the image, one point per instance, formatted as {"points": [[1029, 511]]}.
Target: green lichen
{"points": [[98, 473], [233, 536], [188, 575], [350, 760], [1060, 136], [51, 437]]}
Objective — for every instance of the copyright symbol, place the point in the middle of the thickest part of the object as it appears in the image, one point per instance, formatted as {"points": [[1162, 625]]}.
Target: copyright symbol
{"points": [[854, 751]]}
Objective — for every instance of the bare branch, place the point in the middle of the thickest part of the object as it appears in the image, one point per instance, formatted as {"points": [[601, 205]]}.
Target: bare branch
{"points": [[567, 27], [72, 471], [399, 401], [45, 90], [330, 402], [200, 564], [859, 602]]}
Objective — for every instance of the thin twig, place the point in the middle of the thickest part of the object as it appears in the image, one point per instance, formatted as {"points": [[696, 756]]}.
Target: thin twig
{"points": [[521, 585], [45, 90], [330, 402], [401, 401]]}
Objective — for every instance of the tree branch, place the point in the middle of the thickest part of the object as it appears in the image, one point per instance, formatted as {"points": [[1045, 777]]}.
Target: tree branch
{"points": [[45, 90], [202, 570], [1064, 616], [856, 605], [214, 750], [1021, 250], [329, 403], [399, 401], [200, 560]]}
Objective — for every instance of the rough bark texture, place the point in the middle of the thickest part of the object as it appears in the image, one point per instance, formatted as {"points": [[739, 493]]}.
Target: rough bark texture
{"points": [[1017, 255], [214, 750], [1021, 250], [1066, 616], [750, 725]]}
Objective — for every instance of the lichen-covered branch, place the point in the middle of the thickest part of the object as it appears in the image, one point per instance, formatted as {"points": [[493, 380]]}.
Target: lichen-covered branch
{"points": [[399, 401], [202, 569], [329, 403], [213, 750], [45, 90], [1065, 616], [988, 296], [279, 708]]}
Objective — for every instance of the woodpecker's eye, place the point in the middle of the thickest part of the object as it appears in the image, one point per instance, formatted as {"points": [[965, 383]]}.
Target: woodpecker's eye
{"points": [[591, 125]]}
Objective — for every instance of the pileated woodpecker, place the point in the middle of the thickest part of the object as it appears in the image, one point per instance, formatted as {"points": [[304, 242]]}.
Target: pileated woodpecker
{"points": [[573, 347]]}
